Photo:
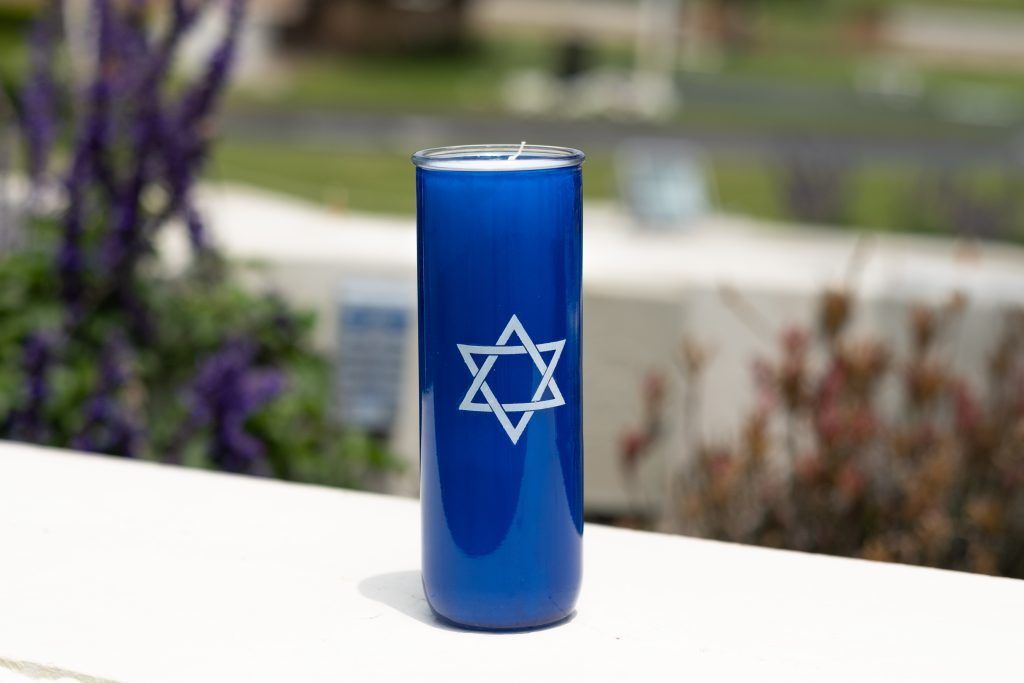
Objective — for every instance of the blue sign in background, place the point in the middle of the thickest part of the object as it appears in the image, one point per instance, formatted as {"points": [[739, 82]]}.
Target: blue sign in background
{"points": [[499, 260]]}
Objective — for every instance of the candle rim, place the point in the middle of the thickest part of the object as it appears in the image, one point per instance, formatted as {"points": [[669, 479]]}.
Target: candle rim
{"points": [[496, 157]]}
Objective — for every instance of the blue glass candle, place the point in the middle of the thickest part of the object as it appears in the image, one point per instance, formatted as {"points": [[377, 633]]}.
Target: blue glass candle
{"points": [[501, 445]]}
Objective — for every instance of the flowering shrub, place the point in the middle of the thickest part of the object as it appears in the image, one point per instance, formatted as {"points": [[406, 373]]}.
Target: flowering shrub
{"points": [[930, 472], [102, 349]]}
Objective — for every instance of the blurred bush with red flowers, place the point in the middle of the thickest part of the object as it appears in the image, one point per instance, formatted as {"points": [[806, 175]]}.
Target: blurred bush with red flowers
{"points": [[831, 461]]}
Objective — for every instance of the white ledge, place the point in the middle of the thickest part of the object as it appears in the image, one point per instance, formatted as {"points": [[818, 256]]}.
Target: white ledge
{"points": [[124, 571]]}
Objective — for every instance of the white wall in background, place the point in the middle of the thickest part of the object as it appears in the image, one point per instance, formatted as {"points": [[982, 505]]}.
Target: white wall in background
{"points": [[642, 291]]}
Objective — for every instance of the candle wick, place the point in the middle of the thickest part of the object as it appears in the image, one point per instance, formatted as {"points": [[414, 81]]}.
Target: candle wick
{"points": [[519, 151]]}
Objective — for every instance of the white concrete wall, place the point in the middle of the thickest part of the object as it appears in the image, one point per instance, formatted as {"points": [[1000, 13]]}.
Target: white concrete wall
{"points": [[642, 292]]}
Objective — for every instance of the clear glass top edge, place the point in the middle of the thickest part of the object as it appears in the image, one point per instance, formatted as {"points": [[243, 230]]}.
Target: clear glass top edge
{"points": [[497, 158]]}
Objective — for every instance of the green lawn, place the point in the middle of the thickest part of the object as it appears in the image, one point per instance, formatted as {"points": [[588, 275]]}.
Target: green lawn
{"points": [[880, 197], [384, 182], [366, 181]]}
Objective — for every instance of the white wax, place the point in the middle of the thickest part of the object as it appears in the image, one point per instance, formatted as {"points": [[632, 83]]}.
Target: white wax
{"points": [[495, 164]]}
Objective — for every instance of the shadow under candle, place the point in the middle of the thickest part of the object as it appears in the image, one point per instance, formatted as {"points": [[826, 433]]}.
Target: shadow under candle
{"points": [[403, 592]]}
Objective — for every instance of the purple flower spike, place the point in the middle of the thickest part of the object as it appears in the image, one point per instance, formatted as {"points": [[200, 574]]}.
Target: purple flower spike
{"points": [[133, 138], [227, 391], [40, 96], [28, 422], [110, 427]]}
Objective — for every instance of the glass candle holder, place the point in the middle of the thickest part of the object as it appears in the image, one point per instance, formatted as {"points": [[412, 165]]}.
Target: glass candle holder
{"points": [[499, 240]]}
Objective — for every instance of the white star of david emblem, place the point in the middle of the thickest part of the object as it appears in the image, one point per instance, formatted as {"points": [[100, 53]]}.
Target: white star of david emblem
{"points": [[502, 348]]}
